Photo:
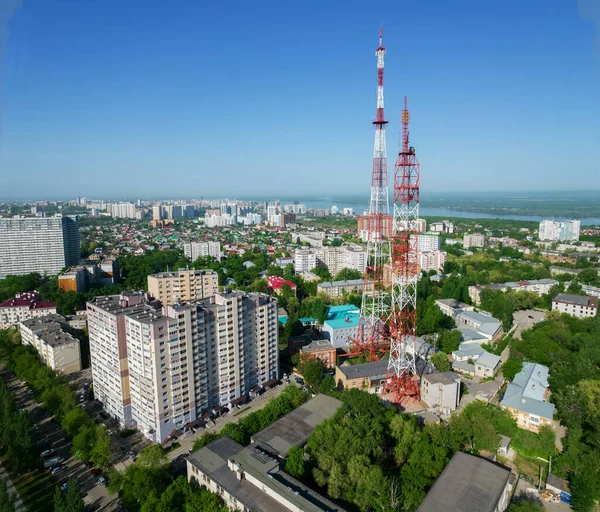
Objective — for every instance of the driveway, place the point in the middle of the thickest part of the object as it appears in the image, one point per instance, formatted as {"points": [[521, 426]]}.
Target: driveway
{"points": [[483, 389], [187, 440], [526, 319], [525, 488]]}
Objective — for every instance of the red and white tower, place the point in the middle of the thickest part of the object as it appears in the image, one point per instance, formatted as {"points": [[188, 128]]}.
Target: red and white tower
{"points": [[373, 333], [402, 374]]}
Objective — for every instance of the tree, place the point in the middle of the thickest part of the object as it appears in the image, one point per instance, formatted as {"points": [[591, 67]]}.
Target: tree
{"points": [[588, 276], [69, 501], [294, 463], [449, 341], [440, 361], [584, 488], [74, 420], [348, 274], [590, 401], [7, 502], [404, 429], [511, 367], [312, 370], [322, 272]]}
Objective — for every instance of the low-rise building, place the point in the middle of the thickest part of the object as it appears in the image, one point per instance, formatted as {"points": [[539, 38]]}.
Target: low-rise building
{"points": [[93, 271], [526, 397], [441, 390], [322, 350], [481, 322], [537, 286], [276, 284], [23, 307], [251, 479], [335, 289], [483, 363], [56, 347], [451, 307], [580, 306], [341, 325], [368, 376], [469, 483]]}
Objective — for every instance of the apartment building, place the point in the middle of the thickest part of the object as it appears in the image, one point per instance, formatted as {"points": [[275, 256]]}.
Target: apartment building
{"points": [[38, 244], [537, 286], [564, 231], [78, 278], [580, 306], [432, 260], [428, 242], [340, 288], [333, 259], [185, 284], [195, 250], [474, 240], [55, 345], [23, 307], [123, 210], [157, 367], [441, 390], [304, 260]]}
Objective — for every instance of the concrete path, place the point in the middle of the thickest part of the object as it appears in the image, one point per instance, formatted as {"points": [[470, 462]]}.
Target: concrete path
{"points": [[12, 491]]}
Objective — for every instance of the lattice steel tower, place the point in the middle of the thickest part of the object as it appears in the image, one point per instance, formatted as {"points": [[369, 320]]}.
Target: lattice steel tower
{"points": [[402, 374], [373, 334]]}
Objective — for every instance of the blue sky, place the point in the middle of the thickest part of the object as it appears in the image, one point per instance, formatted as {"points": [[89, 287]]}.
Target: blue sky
{"points": [[222, 97]]}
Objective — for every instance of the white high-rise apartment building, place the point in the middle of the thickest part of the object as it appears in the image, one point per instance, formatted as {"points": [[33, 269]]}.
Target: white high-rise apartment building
{"points": [[195, 250], [563, 231], [38, 244], [212, 221], [123, 210], [428, 242], [158, 367], [304, 260], [332, 258], [432, 260]]}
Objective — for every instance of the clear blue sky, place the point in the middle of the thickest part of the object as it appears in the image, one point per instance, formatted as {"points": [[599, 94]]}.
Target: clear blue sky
{"points": [[222, 97]]}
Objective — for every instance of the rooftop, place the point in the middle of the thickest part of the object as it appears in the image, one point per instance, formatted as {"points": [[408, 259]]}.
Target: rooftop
{"points": [[331, 284], [489, 360], [467, 483], [441, 378], [295, 428], [340, 317], [374, 370], [580, 300], [453, 303], [527, 390], [29, 300], [277, 282], [317, 345]]}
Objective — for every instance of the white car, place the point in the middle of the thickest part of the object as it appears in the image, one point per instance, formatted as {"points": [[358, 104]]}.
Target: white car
{"points": [[101, 479], [82, 398], [47, 453], [58, 469]]}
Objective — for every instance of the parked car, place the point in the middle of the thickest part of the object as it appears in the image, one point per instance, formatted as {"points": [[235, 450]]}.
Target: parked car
{"points": [[58, 469], [81, 406], [299, 380], [64, 486], [102, 480], [52, 461], [47, 453], [82, 397], [131, 454]]}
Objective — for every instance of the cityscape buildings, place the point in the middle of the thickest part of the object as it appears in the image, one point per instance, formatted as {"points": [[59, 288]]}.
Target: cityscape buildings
{"points": [[157, 367], [563, 231], [333, 259], [23, 307], [38, 244], [195, 250], [123, 210]]}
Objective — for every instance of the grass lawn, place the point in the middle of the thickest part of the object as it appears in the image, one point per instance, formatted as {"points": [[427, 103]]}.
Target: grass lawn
{"points": [[36, 489], [241, 411]]}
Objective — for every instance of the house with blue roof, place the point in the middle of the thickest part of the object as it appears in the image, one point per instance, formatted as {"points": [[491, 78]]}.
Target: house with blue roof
{"points": [[526, 397], [341, 325]]}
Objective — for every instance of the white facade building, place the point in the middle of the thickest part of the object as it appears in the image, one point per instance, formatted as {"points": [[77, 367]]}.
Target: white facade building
{"points": [[563, 231], [432, 260], [474, 240], [38, 244], [428, 242], [195, 250], [304, 260], [123, 210], [23, 307], [580, 306]]}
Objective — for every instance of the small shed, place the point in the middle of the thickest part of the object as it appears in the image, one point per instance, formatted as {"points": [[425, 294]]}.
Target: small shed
{"points": [[560, 487]]}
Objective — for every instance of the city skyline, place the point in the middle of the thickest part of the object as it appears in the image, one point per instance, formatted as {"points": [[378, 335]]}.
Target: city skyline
{"points": [[262, 95]]}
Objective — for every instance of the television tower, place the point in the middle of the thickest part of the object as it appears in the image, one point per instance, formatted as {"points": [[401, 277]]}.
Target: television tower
{"points": [[402, 372], [373, 333]]}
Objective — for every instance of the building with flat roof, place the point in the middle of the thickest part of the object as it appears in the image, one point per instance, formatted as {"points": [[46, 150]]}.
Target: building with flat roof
{"points": [[431, 260], [341, 325], [183, 285], [473, 240], [56, 347], [335, 289], [441, 390], [580, 306], [537, 286], [452, 307], [251, 478], [38, 244], [368, 376], [322, 350], [469, 483], [195, 250], [276, 284], [158, 367], [23, 307], [526, 397], [484, 324]]}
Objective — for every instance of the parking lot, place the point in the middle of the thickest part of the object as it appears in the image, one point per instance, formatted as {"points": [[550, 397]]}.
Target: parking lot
{"points": [[526, 319]]}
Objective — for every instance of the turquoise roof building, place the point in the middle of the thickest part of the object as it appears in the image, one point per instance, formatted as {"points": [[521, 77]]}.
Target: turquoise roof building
{"points": [[341, 325]]}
